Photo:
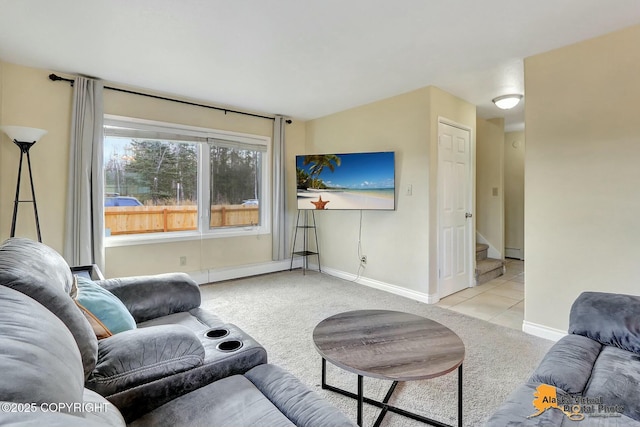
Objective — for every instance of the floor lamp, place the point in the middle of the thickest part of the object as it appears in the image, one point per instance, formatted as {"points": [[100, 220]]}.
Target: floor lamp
{"points": [[24, 138]]}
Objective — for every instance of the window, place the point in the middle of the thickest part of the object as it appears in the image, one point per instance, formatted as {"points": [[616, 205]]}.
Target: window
{"points": [[158, 178], [235, 185]]}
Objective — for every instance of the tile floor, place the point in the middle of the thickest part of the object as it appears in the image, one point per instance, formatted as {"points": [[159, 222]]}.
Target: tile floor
{"points": [[499, 301]]}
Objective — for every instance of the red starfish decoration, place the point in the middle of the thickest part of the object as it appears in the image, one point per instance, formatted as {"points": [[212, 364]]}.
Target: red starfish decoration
{"points": [[320, 204]]}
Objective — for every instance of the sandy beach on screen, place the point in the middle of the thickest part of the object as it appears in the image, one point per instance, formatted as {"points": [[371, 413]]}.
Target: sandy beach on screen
{"points": [[344, 200]]}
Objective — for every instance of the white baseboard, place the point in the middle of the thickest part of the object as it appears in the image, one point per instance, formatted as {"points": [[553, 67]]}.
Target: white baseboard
{"points": [[201, 277], [228, 273], [513, 253], [542, 331], [217, 275], [394, 289]]}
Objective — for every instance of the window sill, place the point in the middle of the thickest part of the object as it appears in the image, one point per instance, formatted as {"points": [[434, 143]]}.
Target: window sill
{"points": [[160, 238]]}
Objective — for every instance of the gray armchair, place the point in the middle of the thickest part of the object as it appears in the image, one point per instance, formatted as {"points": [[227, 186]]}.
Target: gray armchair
{"points": [[176, 348], [598, 361], [182, 366]]}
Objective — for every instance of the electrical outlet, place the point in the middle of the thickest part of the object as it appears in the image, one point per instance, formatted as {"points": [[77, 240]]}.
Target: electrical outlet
{"points": [[183, 260], [363, 260]]}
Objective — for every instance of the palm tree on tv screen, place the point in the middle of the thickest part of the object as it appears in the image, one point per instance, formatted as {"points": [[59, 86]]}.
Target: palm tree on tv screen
{"points": [[318, 163], [303, 180]]}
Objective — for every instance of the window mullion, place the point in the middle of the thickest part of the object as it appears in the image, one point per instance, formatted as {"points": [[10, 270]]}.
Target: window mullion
{"points": [[204, 187]]}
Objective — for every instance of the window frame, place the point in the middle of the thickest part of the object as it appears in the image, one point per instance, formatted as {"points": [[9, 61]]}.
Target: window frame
{"points": [[203, 137]]}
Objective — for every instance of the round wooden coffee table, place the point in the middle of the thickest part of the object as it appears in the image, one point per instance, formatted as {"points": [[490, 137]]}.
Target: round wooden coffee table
{"points": [[389, 345]]}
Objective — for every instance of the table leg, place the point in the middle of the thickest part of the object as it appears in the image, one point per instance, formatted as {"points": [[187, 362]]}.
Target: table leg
{"points": [[360, 399], [384, 405], [324, 373], [385, 408], [460, 395]]}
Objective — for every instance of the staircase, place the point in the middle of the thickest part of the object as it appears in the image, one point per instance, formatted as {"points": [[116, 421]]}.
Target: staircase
{"points": [[487, 268]]}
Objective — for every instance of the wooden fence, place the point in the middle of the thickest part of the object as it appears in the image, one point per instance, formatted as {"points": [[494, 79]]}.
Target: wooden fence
{"points": [[158, 219]]}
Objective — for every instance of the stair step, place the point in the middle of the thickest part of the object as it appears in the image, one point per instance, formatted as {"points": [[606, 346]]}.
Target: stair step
{"points": [[481, 251], [481, 247], [488, 264], [488, 269]]}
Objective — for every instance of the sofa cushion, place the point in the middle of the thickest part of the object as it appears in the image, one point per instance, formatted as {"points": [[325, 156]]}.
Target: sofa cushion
{"points": [[611, 319], [567, 365], [100, 410], [141, 356], [41, 273], [230, 402], [105, 312], [49, 419], [616, 380], [39, 359]]}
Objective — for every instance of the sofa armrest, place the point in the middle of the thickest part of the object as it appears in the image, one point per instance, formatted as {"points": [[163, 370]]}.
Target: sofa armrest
{"points": [[131, 358], [301, 405], [568, 364], [610, 319], [149, 297], [518, 410]]}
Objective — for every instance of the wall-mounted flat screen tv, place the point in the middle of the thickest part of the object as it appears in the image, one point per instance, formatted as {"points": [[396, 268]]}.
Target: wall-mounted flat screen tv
{"points": [[358, 181]]}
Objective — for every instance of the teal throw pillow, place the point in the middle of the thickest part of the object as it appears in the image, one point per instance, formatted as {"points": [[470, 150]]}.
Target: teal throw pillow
{"points": [[106, 313]]}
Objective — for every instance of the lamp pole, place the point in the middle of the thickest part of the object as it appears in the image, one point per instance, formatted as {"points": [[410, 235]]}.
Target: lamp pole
{"points": [[24, 138], [24, 149]]}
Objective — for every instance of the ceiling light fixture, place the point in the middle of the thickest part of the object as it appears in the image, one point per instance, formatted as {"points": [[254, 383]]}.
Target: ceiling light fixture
{"points": [[506, 102]]}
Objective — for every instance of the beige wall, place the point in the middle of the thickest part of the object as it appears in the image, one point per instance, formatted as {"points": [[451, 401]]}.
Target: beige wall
{"points": [[29, 98], [514, 149], [490, 183], [3, 142], [581, 178], [399, 245], [396, 243]]}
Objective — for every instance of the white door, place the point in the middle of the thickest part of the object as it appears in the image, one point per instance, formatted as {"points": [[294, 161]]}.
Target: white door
{"points": [[454, 201]]}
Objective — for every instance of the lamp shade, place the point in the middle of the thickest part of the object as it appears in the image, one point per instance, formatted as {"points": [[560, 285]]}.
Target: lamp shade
{"points": [[23, 134], [506, 102]]}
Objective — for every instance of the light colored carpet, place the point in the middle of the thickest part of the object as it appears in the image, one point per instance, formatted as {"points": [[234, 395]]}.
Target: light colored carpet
{"points": [[280, 310]]}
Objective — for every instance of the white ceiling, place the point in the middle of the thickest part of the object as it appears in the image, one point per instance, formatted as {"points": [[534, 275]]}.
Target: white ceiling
{"points": [[304, 58]]}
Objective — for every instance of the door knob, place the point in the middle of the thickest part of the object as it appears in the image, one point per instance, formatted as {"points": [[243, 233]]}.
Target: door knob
{"points": [[468, 215]]}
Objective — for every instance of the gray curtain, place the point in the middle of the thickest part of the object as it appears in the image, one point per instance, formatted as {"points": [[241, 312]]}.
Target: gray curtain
{"points": [[84, 234], [279, 200]]}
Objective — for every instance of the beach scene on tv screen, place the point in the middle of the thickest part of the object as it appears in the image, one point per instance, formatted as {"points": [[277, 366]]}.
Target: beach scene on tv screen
{"points": [[346, 181]]}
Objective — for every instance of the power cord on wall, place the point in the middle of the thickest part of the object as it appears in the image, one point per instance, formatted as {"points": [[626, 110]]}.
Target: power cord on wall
{"points": [[360, 263]]}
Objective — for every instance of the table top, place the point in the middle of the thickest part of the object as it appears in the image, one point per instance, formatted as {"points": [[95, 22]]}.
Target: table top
{"points": [[388, 344]]}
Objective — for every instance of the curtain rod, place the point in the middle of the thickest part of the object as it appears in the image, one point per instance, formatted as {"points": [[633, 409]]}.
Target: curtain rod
{"points": [[55, 78]]}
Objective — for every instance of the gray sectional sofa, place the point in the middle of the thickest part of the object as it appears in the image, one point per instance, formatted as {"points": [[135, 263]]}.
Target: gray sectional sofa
{"points": [[594, 371], [181, 365]]}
